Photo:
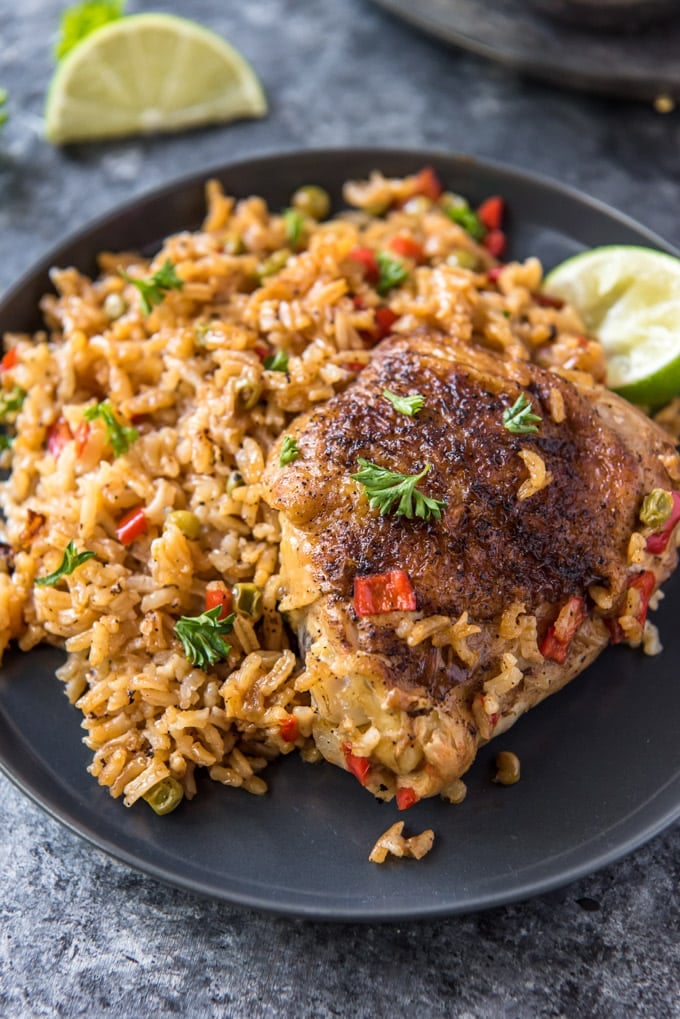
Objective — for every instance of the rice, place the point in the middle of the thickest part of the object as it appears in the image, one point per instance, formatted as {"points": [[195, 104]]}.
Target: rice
{"points": [[178, 376]]}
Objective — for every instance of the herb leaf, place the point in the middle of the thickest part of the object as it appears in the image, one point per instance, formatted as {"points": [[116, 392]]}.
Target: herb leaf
{"points": [[118, 436], [520, 418], [294, 222], [71, 561], [392, 272], [289, 451], [201, 637], [154, 289], [386, 490], [468, 219], [409, 405], [4, 115], [82, 19], [11, 401], [6, 441], [277, 362]]}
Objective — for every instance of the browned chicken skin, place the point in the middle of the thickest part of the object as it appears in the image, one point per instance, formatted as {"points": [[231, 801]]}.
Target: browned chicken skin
{"points": [[519, 539]]}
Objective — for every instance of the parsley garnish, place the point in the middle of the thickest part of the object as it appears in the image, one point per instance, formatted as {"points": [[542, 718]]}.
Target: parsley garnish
{"points": [[386, 488], [409, 405], [83, 19], [294, 222], [201, 637], [4, 115], [11, 401], [6, 441], [468, 219], [392, 272], [289, 451], [277, 362], [118, 436], [71, 561], [155, 288], [520, 419]]}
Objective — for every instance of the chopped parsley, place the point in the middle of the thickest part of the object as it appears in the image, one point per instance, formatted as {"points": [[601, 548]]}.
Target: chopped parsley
{"points": [[294, 222], [202, 637], [389, 491], [289, 451], [409, 405], [71, 561], [154, 289], [6, 441], [118, 436], [82, 19], [277, 362], [11, 401], [391, 273], [520, 418]]}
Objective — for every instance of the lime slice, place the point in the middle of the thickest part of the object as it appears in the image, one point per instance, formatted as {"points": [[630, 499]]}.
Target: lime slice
{"points": [[149, 73], [629, 298]]}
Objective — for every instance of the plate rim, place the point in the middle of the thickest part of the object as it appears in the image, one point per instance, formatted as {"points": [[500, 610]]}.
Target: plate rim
{"points": [[318, 911]]}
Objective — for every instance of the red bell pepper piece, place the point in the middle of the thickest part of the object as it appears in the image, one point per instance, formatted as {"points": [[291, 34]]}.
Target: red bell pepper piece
{"points": [[384, 592], [556, 645], [495, 243], [262, 350], [10, 360], [491, 212], [353, 366], [406, 246], [644, 583], [494, 273], [289, 729], [359, 766], [406, 797], [215, 596], [546, 301], [427, 183], [658, 543], [384, 320], [132, 525], [81, 436], [58, 436], [366, 258]]}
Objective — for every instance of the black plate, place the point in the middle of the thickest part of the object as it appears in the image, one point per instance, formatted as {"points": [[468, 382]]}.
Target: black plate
{"points": [[601, 761], [639, 65]]}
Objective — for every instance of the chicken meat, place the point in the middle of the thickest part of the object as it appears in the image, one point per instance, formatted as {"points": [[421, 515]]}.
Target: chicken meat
{"points": [[423, 637]]}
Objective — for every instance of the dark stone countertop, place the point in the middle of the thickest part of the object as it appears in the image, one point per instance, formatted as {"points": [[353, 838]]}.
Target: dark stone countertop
{"points": [[81, 935]]}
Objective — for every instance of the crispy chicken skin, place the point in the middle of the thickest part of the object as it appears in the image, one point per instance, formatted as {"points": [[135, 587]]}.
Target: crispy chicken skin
{"points": [[497, 571]]}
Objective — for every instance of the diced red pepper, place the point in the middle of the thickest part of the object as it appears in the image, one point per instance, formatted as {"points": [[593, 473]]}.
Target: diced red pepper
{"points": [[658, 543], [494, 273], [384, 592], [406, 797], [359, 766], [491, 212], [132, 525], [495, 243], [546, 301], [644, 583], [81, 436], [366, 258], [427, 183], [290, 729], [215, 596], [384, 320], [58, 436], [262, 350], [406, 246], [556, 646], [353, 366], [10, 360]]}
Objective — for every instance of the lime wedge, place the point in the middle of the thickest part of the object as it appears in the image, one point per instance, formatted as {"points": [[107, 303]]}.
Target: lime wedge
{"points": [[149, 73], [629, 298]]}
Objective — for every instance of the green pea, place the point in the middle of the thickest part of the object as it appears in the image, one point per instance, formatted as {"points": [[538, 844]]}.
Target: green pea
{"points": [[657, 507], [247, 600], [185, 521], [312, 201], [463, 258], [235, 480], [248, 392], [115, 305], [233, 244], [449, 200], [165, 796], [273, 264]]}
